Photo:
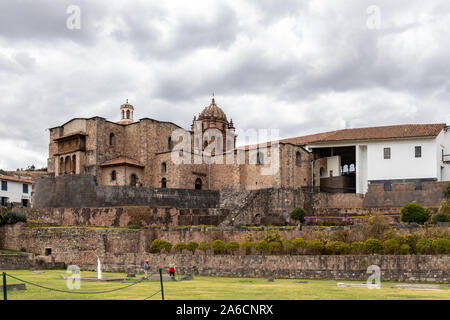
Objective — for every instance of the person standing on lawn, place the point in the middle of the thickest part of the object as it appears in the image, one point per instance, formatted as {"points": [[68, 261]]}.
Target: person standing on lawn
{"points": [[146, 267], [172, 270]]}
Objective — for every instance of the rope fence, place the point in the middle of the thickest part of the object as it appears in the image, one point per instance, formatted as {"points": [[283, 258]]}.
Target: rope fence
{"points": [[76, 292]]}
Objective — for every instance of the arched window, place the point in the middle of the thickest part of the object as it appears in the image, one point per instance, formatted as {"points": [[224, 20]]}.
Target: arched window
{"points": [[323, 172], [345, 169], [123, 114], [112, 139], [298, 158], [67, 165], [198, 184], [74, 164], [61, 165], [259, 158], [163, 167], [133, 180], [169, 143], [352, 168], [113, 175], [128, 114], [163, 183]]}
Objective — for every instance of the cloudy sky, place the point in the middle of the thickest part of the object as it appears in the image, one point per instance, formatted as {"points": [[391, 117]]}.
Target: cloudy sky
{"points": [[299, 66]]}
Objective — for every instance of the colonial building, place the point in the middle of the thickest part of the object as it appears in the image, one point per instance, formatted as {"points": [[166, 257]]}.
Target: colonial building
{"points": [[15, 190], [141, 153]]}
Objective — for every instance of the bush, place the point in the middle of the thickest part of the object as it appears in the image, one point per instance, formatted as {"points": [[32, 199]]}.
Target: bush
{"points": [[204, 246], [315, 246], [357, 247], [218, 246], [299, 245], [158, 244], [412, 212], [288, 246], [443, 214], [441, 245], [232, 246], [404, 249], [192, 246], [391, 246], [11, 217], [410, 239], [275, 247], [423, 246], [271, 237], [179, 247], [372, 246], [337, 247], [247, 246], [262, 246]]}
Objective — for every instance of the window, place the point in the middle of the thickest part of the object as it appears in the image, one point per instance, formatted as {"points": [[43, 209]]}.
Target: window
{"points": [[298, 158], [128, 114], [163, 183], [112, 139], [418, 151], [259, 158], [163, 167], [113, 175], [387, 153], [169, 143], [25, 188], [4, 185]]}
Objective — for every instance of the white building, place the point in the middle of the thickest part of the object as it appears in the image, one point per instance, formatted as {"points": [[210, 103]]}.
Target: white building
{"points": [[15, 190], [354, 158]]}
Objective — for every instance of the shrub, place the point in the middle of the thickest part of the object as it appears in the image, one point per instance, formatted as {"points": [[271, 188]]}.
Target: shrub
{"points": [[247, 246], [404, 249], [423, 246], [179, 247], [192, 246], [357, 247], [298, 214], [376, 226], [11, 217], [410, 239], [232, 246], [204, 246], [443, 214], [262, 246], [157, 245], [412, 212], [372, 246], [271, 237], [275, 247], [337, 247], [315, 246], [391, 246], [288, 246], [299, 245], [441, 245], [218, 246]]}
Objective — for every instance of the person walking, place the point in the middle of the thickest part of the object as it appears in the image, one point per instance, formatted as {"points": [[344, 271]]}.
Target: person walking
{"points": [[146, 267], [172, 270]]}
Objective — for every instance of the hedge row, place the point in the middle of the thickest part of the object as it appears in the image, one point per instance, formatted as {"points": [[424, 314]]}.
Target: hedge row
{"points": [[299, 247], [11, 217]]}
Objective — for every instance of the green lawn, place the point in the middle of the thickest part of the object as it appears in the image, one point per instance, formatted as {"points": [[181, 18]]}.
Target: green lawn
{"points": [[208, 288]]}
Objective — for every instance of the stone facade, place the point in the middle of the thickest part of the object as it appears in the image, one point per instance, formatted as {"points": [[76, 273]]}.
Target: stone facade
{"points": [[129, 153]]}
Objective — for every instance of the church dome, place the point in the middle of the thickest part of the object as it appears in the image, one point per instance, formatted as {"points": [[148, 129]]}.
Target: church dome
{"points": [[213, 112], [126, 105]]}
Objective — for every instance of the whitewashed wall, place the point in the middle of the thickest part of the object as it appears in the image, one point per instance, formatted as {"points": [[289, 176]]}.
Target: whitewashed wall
{"points": [[15, 193]]}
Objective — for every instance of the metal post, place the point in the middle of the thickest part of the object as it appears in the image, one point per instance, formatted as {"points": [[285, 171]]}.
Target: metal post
{"points": [[162, 288], [5, 296]]}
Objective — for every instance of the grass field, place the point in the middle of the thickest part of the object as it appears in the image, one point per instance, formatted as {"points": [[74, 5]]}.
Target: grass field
{"points": [[211, 288]]}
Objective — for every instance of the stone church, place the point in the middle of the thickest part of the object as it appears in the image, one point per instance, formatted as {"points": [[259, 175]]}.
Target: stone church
{"points": [[139, 154]]}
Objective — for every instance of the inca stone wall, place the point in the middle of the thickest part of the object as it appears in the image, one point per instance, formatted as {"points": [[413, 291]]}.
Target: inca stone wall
{"points": [[393, 268], [79, 191]]}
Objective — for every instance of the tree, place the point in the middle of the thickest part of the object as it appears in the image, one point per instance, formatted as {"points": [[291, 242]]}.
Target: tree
{"points": [[232, 246], [218, 246], [299, 215], [192, 246], [412, 212]]}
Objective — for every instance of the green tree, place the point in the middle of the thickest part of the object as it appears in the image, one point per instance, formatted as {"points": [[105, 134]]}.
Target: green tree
{"points": [[262, 246], [299, 215], [423, 246], [372, 246], [337, 247], [192, 246], [315, 246], [232, 246], [218, 246], [247, 246], [204, 246], [299, 245], [441, 245], [412, 212], [179, 247], [391, 246]]}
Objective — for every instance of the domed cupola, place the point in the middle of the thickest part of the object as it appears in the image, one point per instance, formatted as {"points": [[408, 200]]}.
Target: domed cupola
{"points": [[213, 112], [126, 112]]}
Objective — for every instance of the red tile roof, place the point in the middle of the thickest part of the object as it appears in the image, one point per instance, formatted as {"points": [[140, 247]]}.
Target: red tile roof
{"points": [[15, 179], [368, 133], [122, 161]]}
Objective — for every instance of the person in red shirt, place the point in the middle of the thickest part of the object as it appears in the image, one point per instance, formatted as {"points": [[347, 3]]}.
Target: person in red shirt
{"points": [[172, 270]]}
